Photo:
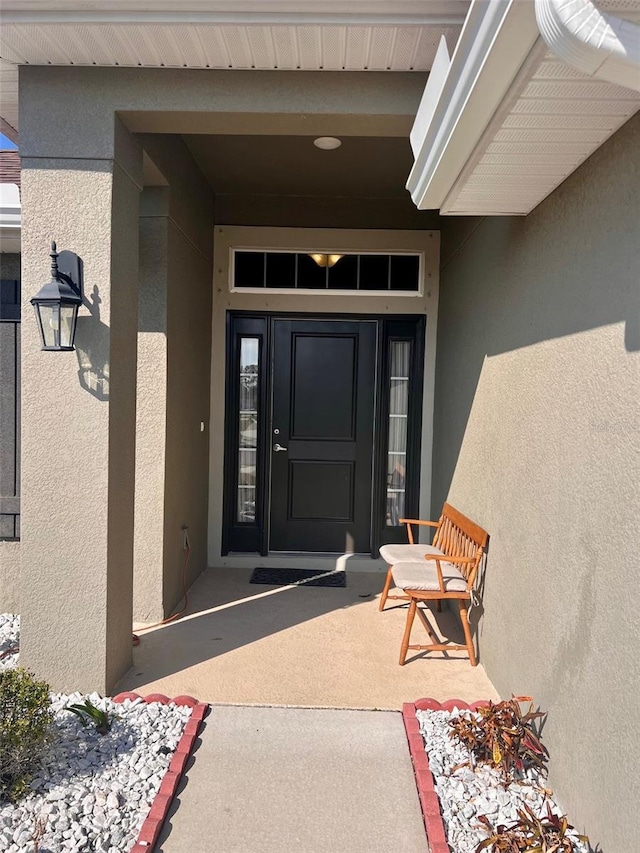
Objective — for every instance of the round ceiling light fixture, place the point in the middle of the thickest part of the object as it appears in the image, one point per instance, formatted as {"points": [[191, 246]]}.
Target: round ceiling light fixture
{"points": [[327, 143]]}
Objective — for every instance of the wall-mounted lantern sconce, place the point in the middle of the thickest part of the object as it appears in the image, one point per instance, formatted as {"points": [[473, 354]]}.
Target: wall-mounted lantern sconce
{"points": [[57, 303]]}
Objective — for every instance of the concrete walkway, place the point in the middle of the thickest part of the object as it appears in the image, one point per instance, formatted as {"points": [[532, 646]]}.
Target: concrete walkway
{"points": [[295, 780]]}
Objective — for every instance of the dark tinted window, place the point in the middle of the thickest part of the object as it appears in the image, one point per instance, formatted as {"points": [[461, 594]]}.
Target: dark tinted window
{"points": [[289, 270], [249, 269], [281, 270], [310, 275]]}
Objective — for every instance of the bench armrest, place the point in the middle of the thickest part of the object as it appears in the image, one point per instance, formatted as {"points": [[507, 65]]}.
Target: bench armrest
{"points": [[419, 522], [445, 558]]}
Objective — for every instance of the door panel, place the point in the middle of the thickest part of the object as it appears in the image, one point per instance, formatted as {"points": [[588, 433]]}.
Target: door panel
{"points": [[323, 411], [322, 399], [321, 491]]}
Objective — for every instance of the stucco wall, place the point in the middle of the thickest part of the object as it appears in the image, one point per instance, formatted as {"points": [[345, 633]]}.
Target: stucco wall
{"points": [[174, 351], [9, 551], [537, 437], [317, 212], [151, 404], [9, 577], [188, 388], [181, 100], [78, 422]]}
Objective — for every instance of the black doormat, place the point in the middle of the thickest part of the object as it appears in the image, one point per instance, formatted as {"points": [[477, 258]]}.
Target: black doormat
{"points": [[283, 577]]}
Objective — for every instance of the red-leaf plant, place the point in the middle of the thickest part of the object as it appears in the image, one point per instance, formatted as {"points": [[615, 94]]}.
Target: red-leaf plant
{"points": [[531, 834], [503, 736]]}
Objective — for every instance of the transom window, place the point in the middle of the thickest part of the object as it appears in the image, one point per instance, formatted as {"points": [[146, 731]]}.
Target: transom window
{"points": [[314, 271]]}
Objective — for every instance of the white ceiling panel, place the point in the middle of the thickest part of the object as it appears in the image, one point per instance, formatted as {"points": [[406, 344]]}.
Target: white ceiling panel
{"points": [[353, 47], [307, 46]]}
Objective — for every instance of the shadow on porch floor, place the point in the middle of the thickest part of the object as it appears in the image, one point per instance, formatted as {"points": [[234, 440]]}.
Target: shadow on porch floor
{"points": [[241, 643]]}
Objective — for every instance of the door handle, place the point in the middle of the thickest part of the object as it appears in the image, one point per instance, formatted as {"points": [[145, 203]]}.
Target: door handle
{"points": [[278, 447]]}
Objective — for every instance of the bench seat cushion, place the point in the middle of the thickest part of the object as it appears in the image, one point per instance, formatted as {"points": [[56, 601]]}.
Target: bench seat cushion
{"points": [[393, 554], [424, 577]]}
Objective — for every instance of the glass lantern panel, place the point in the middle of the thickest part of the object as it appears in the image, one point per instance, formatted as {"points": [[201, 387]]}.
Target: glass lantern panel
{"points": [[49, 319], [68, 314]]}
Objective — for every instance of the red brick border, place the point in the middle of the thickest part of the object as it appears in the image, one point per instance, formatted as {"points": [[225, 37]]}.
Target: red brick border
{"points": [[150, 830], [429, 802]]}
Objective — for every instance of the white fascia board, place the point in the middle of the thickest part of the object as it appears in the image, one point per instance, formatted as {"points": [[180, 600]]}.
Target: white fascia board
{"points": [[597, 44], [10, 218], [431, 96], [283, 12], [495, 41]]}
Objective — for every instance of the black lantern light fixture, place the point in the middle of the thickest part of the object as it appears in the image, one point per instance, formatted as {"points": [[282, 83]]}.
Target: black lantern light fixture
{"points": [[57, 303]]}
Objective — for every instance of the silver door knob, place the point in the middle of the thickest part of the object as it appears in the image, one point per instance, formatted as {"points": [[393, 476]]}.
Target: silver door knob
{"points": [[278, 447]]}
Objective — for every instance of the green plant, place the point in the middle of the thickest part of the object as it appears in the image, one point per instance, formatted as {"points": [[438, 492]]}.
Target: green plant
{"points": [[25, 725], [88, 711], [531, 834], [501, 735]]}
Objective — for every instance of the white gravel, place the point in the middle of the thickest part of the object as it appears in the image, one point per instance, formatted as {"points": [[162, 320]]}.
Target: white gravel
{"points": [[9, 637], [93, 792], [471, 790]]}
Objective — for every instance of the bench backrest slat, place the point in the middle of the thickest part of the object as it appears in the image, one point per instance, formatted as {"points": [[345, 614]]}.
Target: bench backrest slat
{"points": [[459, 536]]}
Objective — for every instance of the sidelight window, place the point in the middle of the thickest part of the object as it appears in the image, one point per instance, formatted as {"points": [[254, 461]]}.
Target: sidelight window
{"points": [[399, 367], [248, 430]]}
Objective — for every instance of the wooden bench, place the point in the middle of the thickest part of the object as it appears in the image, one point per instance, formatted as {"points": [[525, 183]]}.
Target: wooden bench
{"points": [[446, 569]]}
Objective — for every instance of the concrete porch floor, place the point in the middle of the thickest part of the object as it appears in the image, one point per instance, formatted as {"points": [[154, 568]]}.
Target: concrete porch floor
{"points": [[242, 643]]}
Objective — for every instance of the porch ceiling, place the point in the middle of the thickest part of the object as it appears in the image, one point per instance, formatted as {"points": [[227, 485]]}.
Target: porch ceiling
{"points": [[363, 167], [265, 35]]}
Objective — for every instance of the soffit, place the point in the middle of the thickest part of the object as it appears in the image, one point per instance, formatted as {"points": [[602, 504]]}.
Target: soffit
{"points": [[9, 95], [363, 167], [627, 9], [551, 121], [270, 34]]}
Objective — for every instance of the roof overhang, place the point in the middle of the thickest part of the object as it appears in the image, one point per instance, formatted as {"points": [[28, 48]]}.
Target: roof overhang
{"points": [[308, 35], [506, 121]]}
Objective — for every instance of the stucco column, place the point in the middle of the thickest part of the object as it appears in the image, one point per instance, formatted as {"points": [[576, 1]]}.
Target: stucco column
{"points": [[78, 416], [151, 413]]}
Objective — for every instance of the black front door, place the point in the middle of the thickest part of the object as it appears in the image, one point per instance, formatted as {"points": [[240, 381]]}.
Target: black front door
{"points": [[322, 435]]}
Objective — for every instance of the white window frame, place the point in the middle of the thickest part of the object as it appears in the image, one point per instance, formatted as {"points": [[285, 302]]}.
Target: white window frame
{"points": [[302, 250]]}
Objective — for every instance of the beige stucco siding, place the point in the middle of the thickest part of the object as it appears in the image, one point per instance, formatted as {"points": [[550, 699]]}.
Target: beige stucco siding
{"points": [[78, 424], [537, 437], [151, 406], [9, 577], [188, 388], [225, 301], [174, 351]]}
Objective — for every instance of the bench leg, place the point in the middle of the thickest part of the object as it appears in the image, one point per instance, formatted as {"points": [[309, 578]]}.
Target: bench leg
{"points": [[385, 591], [407, 631], [467, 632]]}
